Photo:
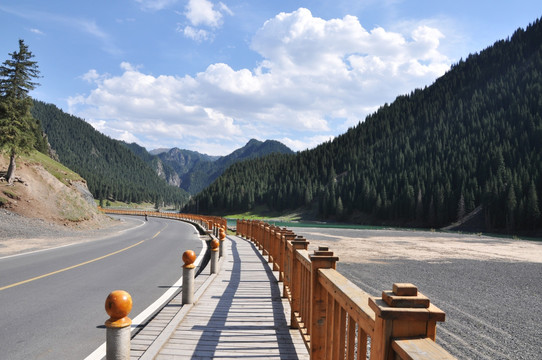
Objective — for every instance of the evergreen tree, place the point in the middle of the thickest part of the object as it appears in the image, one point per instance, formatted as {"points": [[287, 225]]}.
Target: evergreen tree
{"points": [[461, 208], [532, 208], [17, 127], [511, 205]]}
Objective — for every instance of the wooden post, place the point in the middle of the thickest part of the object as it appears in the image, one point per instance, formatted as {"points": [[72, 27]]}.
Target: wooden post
{"points": [[401, 313], [270, 245], [286, 266], [276, 250], [321, 259], [285, 235], [299, 243], [265, 236], [249, 231]]}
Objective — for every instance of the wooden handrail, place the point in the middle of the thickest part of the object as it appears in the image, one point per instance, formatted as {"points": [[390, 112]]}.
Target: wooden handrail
{"points": [[334, 316], [303, 257], [419, 349], [203, 220]]}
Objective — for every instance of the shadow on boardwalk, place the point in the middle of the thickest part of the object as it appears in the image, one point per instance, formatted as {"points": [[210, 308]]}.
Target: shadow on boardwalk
{"points": [[241, 315]]}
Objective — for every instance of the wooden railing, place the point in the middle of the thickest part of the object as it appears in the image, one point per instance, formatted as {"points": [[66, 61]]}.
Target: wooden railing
{"points": [[209, 222], [337, 319]]}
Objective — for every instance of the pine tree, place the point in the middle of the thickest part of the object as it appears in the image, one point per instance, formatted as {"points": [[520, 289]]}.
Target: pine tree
{"points": [[17, 126], [340, 208], [532, 209], [461, 208], [511, 204]]}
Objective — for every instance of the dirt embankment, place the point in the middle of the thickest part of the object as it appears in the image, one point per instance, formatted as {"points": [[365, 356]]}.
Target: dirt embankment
{"points": [[41, 211]]}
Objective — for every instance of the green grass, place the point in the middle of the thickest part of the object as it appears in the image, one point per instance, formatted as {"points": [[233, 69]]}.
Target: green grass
{"points": [[3, 201], [123, 205], [10, 194], [58, 170], [263, 213]]}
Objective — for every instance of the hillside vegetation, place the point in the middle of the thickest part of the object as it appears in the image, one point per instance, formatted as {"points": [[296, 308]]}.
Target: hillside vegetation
{"points": [[112, 171], [472, 138]]}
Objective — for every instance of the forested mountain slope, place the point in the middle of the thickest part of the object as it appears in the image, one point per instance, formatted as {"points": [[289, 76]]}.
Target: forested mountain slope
{"points": [[203, 173], [164, 171], [472, 138], [193, 171], [112, 170]]}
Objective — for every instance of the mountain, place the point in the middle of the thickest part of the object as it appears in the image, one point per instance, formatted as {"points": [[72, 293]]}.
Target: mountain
{"points": [[194, 170], [162, 170], [112, 170], [158, 151], [472, 138], [204, 173]]}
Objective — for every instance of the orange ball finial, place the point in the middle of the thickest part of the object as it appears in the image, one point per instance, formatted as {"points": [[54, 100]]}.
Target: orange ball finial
{"points": [[222, 234], [215, 244], [118, 305], [189, 257]]}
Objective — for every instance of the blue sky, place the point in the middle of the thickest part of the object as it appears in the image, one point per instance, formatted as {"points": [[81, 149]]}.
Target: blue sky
{"points": [[209, 75]]}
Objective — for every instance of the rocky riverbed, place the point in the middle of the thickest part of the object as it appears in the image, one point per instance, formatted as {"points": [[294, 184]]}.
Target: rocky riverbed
{"points": [[490, 288]]}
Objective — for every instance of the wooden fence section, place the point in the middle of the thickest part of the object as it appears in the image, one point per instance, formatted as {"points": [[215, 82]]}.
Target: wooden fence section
{"points": [[209, 222], [337, 319]]}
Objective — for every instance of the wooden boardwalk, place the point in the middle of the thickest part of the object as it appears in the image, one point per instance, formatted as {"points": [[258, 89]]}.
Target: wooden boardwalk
{"points": [[240, 314]]}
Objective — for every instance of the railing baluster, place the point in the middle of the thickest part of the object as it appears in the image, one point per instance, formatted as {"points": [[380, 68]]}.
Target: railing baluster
{"points": [[351, 339]]}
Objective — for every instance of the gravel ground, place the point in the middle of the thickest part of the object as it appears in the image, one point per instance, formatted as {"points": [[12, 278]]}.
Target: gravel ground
{"points": [[16, 226], [492, 308], [493, 305], [21, 234]]}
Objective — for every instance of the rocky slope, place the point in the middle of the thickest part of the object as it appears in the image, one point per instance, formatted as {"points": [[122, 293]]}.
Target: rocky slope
{"points": [[59, 199]]}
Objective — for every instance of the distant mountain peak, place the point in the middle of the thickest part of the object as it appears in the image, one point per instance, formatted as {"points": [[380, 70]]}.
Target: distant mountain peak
{"points": [[159, 151]]}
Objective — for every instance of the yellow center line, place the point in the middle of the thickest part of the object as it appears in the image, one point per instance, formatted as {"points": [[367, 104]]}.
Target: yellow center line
{"points": [[155, 235], [74, 266]]}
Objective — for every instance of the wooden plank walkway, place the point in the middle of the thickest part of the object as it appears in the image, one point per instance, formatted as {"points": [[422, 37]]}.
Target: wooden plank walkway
{"points": [[241, 314]]}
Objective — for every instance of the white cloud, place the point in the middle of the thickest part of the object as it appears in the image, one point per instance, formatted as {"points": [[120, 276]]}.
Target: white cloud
{"points": [[198, 35], [203, 13], [88, 27], [92, 76], [225, 9], [128, 137], [307, 143], [37, 31], [317, 78], [155, 4]]}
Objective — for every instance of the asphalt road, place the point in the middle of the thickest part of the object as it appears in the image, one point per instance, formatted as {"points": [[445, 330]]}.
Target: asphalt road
{"points": [[493, 307], [52, 302]]}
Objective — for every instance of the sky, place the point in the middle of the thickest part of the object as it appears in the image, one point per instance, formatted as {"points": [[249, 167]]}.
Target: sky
{"points": [[208, 75]]}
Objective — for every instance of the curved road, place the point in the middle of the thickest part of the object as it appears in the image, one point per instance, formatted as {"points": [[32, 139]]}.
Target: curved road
{"points": [[52, 301]]}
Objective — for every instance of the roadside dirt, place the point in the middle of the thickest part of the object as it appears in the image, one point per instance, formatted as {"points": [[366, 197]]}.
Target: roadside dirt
{"points": [[43, 212], [365, 246]]}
